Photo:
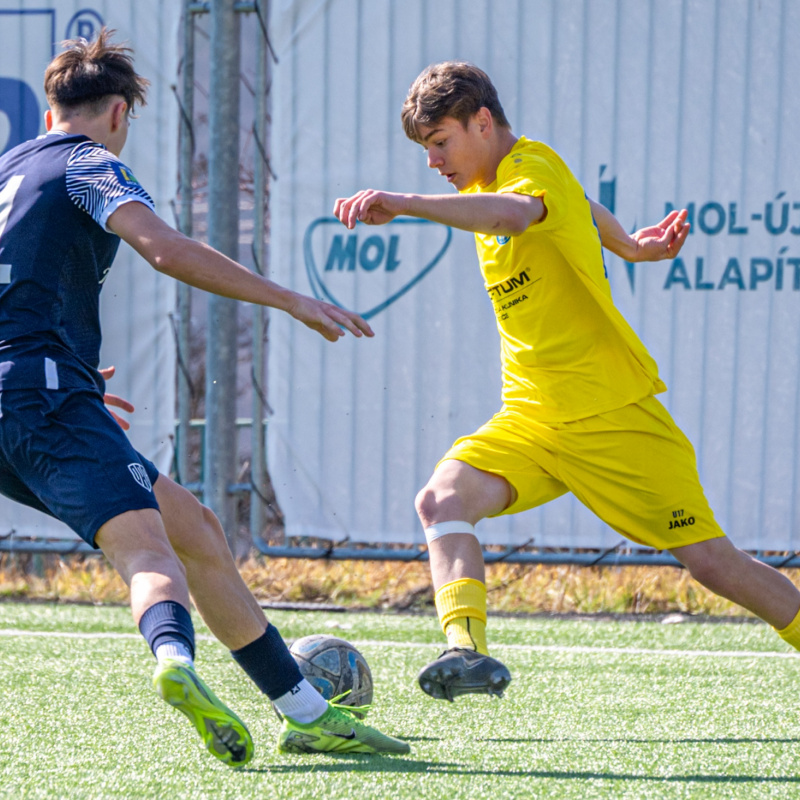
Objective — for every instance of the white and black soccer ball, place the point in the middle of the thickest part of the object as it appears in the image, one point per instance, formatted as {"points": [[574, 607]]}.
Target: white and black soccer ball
{"points": [[333, 666]]}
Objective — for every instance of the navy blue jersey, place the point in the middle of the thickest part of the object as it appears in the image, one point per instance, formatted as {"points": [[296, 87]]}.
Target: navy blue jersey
{"points": [[56, 195]]}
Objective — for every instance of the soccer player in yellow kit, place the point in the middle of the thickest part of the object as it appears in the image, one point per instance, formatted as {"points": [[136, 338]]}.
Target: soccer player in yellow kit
{"points": [[579, 410]]}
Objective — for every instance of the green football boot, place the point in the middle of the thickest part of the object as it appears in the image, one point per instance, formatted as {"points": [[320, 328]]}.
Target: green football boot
{"points": [[222, 732], [336, 731]]}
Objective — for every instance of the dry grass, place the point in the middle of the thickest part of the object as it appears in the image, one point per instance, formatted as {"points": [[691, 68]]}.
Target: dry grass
{"points": [[392, 585]]}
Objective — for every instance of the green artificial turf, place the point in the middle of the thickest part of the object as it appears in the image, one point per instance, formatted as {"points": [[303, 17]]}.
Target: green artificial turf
{"points": [[596, 709]]}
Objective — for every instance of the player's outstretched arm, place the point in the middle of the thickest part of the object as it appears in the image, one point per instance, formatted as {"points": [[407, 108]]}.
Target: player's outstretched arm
{"points": [[203, 267], [653, 243], [505, 214]]}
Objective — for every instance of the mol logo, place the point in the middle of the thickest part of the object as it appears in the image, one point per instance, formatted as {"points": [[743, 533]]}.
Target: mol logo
{"points": [[367, 269]]}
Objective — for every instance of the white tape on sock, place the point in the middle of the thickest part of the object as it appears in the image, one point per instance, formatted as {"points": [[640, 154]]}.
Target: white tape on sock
{"points": [[174, 651], [443, 528], [303, 703]]}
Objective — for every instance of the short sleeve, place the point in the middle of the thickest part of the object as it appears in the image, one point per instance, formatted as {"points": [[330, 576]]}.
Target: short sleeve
{"points": [[530, 174], [99, 183]]}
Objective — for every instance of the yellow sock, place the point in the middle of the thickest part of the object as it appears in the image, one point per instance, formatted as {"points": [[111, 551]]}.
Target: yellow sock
{"points": [[791, 633], [461, 606]]}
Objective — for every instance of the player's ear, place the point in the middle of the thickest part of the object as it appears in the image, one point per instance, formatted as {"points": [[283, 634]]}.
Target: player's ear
{"points": [[48, 120], [484, 120], [118, 112]]}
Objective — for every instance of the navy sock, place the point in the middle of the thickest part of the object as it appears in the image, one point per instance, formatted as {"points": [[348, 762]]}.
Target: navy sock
{"points": [[165, 622], [269, 663]]}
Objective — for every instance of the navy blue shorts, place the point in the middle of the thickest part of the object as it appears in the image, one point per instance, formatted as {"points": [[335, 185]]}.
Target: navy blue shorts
{"points": [[63, 453]]}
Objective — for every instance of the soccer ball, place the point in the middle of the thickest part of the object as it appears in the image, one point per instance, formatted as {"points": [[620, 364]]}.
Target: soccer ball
{"points": [[332, 666]]}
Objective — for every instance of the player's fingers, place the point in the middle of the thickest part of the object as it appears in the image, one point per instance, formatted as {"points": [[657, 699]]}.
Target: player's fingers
{"points": [[677, 243], [357, 325], [118, 402], [351, 215], [365, 204], [675, 219], [363, 325], [344, 319], [667, 235], [359, 207], [329, 329], [337, 208], [680, 223], [343, 208], [123, 423], [668, 220], [349, 320], [368, 199], [107, 372]]}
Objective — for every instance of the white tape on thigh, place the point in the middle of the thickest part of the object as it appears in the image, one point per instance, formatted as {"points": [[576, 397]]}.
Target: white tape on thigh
{"points": [[443, 528]]}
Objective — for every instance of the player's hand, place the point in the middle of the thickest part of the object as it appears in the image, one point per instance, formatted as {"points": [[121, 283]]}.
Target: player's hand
{"points": [[115, 400], [327, 319], [664, 240], [368, 206]]}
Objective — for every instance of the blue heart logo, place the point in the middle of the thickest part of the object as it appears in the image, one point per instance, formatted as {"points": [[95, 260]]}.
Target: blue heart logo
{"points": [[373, 266]]}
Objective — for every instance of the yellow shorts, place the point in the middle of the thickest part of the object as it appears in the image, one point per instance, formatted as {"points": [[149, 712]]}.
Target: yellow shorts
{"points": [[633, 467]]}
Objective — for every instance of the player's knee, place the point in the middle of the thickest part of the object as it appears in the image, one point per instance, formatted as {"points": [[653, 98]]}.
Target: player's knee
{"points": [[422, 503], [209, 534], [427, 505], [200, 535], [437, 503], [207, 519]]}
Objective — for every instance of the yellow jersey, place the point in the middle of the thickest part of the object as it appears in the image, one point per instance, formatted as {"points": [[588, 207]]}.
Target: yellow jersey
{"points": [[567, 352]]}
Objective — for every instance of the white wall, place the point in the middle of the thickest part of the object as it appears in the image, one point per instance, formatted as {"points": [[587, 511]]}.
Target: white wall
{"points": [[136, 300], [666, 103]]}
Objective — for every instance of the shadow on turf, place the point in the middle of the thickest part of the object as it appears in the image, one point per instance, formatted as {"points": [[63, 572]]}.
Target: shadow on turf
{"points": [[368, 763], [575, 740], [357, 761]]}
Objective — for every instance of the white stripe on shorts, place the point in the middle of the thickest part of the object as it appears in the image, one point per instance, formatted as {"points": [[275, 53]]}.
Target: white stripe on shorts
{"points": [[50, 373]]}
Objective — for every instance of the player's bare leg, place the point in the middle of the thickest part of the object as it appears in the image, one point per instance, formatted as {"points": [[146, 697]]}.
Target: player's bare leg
{"points": [[221, 596], [136, 543], [137, 547], [460, 495], [236, 619], [457, 491], [733, 574]]}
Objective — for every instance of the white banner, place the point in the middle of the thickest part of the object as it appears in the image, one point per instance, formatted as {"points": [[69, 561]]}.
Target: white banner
{"points": [[136, 301], [654, 106]]}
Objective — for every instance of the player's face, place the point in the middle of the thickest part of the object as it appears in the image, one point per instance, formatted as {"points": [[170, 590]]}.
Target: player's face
{"points": [[458, 152]]}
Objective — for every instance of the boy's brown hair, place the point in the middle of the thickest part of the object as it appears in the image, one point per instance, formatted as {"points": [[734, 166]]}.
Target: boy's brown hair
{"points": [[86, 74], [455, 89]]}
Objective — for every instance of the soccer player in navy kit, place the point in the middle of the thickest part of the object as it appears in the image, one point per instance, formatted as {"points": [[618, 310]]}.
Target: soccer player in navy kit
{"points": [[66, 200]]}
